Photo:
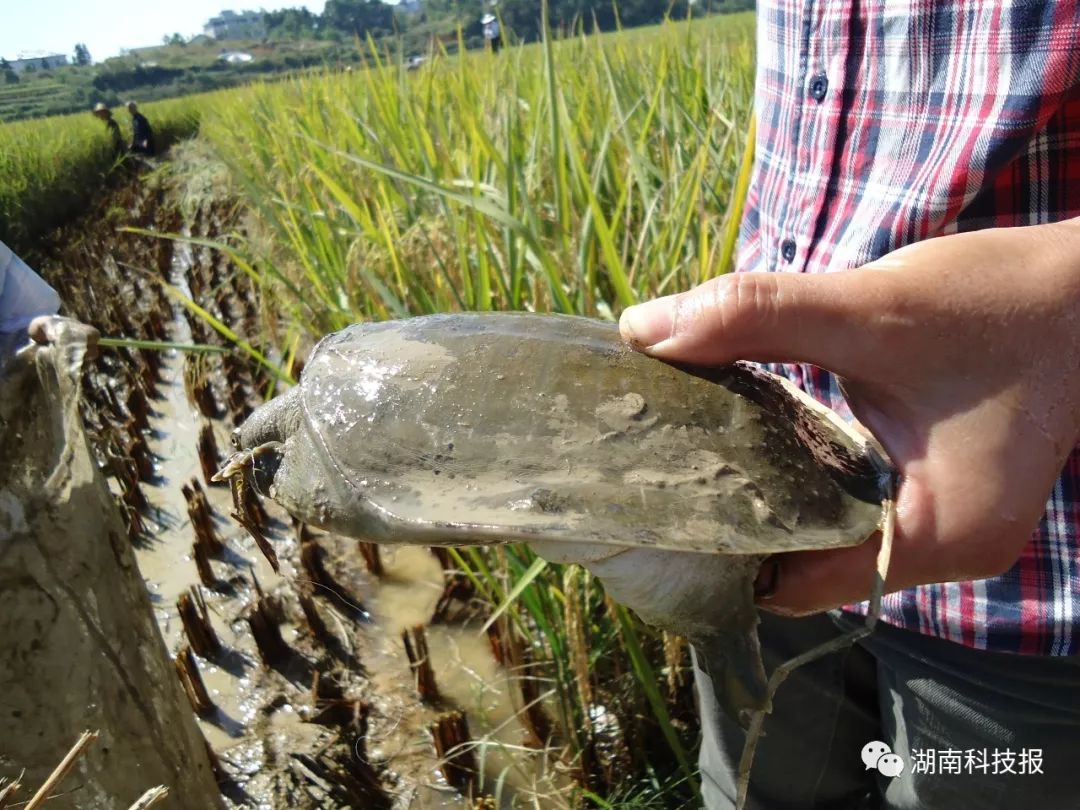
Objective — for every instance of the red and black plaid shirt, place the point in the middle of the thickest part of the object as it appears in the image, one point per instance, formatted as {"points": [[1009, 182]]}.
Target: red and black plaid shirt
{"points": [[887, 122]]}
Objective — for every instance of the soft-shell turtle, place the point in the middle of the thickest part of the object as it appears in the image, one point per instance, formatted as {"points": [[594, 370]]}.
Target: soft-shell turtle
{"points": [[490, 428]]}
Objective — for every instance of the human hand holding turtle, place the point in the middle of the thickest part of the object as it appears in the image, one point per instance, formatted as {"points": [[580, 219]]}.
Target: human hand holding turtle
{"points": [[959, 353]]}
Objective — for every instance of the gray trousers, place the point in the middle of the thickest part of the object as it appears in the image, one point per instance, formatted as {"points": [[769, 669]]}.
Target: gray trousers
{"points": [[915, 693]]}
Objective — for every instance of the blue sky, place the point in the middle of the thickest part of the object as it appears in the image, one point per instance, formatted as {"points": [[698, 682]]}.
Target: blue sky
{"points": [[107, 26]]}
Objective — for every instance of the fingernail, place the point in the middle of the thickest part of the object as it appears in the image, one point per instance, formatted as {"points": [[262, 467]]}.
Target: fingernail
{"points": [[768, 579], [645, 325]]}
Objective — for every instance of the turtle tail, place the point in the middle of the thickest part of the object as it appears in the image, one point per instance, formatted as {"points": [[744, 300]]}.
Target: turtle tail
{"points": [[732, 662]]}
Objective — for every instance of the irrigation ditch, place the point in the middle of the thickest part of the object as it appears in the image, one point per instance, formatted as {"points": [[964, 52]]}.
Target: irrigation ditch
{"points": [[355, 676]]}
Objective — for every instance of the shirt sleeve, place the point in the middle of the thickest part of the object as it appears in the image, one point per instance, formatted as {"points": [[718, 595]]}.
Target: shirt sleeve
{"points": [[24, 295]]}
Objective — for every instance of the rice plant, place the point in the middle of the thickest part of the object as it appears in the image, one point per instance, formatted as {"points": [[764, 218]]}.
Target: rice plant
{"points": [[578, 177]]}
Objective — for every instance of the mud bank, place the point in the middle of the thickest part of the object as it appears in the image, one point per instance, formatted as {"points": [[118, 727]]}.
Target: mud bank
{"points": [[80, 646]]}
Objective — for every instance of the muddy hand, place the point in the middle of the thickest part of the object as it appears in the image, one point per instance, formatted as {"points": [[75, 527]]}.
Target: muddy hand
{"points": [[960, 354], [54, 329]]}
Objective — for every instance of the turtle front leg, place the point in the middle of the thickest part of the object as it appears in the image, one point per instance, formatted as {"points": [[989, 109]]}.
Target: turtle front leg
{"points": [[243, 458], [264, 431], [780, 674]]}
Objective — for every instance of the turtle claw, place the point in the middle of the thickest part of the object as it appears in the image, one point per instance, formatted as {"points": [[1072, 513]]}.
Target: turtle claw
{"points": [[234, 466], [237, 461]]}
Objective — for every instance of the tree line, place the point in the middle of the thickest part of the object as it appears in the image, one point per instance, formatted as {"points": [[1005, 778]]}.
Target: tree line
{"points": [[522, 18]]}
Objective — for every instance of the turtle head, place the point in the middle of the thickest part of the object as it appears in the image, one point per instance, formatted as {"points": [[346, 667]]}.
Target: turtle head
{"points": [[263, 451], [282, 457]]}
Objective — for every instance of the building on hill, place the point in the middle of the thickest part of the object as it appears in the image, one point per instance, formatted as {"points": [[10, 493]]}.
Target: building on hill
{"points": [[38, 60], [236, 25], [235, 57]]}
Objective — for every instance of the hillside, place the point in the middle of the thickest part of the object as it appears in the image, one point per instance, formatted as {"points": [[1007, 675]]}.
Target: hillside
{"points": [[297, 40], [148, 74]]}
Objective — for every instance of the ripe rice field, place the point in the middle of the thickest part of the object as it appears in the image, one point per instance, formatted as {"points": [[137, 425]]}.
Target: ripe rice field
{"points": [[574, 178], [51, 168], [577, 176]]}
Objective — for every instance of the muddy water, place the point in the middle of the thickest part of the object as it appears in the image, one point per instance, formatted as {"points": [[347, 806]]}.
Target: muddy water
{"points": [[259, 722], [468, 678], [166, 562]]}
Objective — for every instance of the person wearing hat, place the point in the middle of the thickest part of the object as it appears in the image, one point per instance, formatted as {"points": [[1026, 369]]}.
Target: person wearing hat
{"points": [[142, 136], [492, 34], [103, 112]]}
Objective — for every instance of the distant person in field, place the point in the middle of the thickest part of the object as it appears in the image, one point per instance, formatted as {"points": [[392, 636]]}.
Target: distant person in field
{"points": [[492, 34], [103, 112], [142, 136]]}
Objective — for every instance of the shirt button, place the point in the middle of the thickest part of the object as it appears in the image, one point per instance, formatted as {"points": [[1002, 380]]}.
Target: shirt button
{"points": [[787, 250], [819, 86]]}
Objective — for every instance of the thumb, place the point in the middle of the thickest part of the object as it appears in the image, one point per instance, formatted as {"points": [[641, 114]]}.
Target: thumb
{"points": [[825, 319], [805, 582]]}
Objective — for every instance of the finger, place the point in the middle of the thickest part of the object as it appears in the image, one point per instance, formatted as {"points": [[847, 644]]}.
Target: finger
{"points": [[40, 329], [825, 319], [807, 582]]}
